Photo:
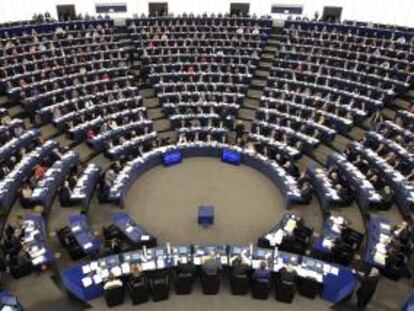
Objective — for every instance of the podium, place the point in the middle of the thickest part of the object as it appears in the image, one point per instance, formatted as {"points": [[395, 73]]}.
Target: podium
{"points": [[172, 158], [206, 215], [230, 156]]}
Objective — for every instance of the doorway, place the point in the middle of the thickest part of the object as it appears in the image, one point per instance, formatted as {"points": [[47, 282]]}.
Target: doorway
{"points": [[239, 9], [158, 8], [66, 12], [332, 14]]}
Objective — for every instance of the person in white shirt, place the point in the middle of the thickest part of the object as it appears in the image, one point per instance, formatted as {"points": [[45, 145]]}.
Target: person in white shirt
{"points": [[401, 40], [112, 282], [255, 31]]}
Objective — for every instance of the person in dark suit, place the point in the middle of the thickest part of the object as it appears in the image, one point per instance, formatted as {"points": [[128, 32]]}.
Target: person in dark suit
{"points": [[238, 267], [239, 129], [65, 193], [262, 273], [287, 275], [211, 266], [366, 290]]}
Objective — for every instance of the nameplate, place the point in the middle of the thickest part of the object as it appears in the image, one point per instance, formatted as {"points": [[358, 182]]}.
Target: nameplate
{"points": [[172, 158], [231, 157]]}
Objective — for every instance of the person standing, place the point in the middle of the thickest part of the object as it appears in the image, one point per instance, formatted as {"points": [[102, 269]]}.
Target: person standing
{"points": [[239, 129], [366, 290]]}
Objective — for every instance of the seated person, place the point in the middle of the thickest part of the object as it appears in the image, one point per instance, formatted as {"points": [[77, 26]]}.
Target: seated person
{"points": [[39, 172], [65, 193], [211, 266], [136, 273], [26, 196], [387, 198], [262, 273], [112, 283], [238, 267]]}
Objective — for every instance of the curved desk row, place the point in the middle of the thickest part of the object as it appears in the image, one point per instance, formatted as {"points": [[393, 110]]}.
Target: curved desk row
{"points": [[325, 190], [46, 189], [49, 27], [85, 280], [286, 183], [14, 180], [8, 300], [366, 196], [345, 28], [85, 186], [403, 189]]}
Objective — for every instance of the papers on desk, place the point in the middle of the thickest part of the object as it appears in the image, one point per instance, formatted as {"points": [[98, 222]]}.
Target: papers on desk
{"points": [[126, 268], [104, 273], [145, 237], [38, 260], [37, 192], [329, 269], [336, 228], [275, 238], [97, 278], [37, 252], [327, 243], [87, 281], [290, 226], [148, 265], [380, 258], [160, 263], [385, 226], [385, 239], [256, 264], [87, 245], [381, 248], [116, 271], [94, 266], [86, 269], [76, 229], [197, 261]]}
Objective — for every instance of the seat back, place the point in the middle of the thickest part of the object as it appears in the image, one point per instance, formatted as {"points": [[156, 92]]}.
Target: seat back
{"points": [[260, 289], [210, 283], [114, 296]]}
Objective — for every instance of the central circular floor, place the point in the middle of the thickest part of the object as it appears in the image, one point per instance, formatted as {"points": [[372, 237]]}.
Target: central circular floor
{"points": [[165, 201]]}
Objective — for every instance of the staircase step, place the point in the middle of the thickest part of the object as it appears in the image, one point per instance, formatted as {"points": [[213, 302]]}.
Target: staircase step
{"points": [[155, 113], [246, 113], [251, 102], [255, 94], [162, 125], [269, 49], [261, 74], [388, 113], [151, 102], [48, 130], [400, 103], [145, 93]]}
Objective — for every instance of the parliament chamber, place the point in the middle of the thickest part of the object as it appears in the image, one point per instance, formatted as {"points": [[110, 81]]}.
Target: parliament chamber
{"points": [[190, 157]]}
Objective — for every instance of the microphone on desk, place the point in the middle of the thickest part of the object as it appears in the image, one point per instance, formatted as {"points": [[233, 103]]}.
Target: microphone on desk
{"points": [[168, 244]]}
